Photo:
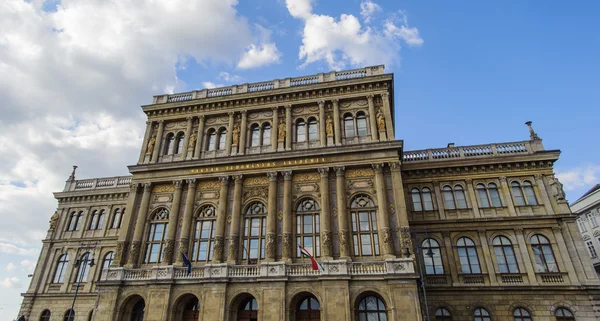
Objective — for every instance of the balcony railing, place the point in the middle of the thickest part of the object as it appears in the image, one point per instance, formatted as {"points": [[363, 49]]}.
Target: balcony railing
{"points": [[468, 152], [551, 278], [511, 278], [97, 183], [268, 85], [389, 267]]}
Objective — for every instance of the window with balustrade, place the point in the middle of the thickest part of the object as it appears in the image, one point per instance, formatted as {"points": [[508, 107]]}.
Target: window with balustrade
{"points": [[364, 226], [421, 199], [371, 308], [155, 240], [75, 221], [45, 315], [169, 144], [107, 261], [521, 314], [179, 139], [117, 218], [432, 257], [61, 269], [467, 255], [543, 254], [222, 139], [505, 255], [204, 234], [307, 227], [481, 314], [564, 314], [488, 195], [255, 230], [83, 269], [442, 314], [454, 197], [523, 194], [212, 140]]}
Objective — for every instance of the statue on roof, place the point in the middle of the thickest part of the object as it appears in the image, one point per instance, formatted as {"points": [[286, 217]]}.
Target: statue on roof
{"points": [[53, 220]]}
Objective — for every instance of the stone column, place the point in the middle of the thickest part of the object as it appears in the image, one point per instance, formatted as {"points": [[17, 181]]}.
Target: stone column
{"points": [[243, 131], [138, 232], [507, 197], [186, 139], [451, 261], [145, 143], [372, 119], [271, 239], [383, 218], [486, 250], [236, 213], [221, 220], [184, 236], [541, 186], [325, 217], [229, 134], [322, 133], [438, 199], [288, 127], [159, 139], [173, 222], [200, 137], [473, 198], [336, 122], [126, 227], [342, 213], [388, 116], [274, 129], [564, 255], [400, 204], [522, 248], [287, 248]]}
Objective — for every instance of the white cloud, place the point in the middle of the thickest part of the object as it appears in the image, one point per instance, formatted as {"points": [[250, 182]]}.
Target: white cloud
{"points": [[10, 283], [28, 265], [368, 9], [345, 41], [13, 249], [211, 85], [229, 77], [10, 266], [259, 55], [584, 176]]}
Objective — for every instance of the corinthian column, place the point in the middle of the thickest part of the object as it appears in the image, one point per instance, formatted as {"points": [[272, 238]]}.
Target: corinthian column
{"points": [[243, 131], [288, 127], [340, 193], [145, 143], [184, 236], [186, 138], [126, 227], [234, 232], [274, 129], [388, 116], [287, 249], [138, 232], [400, 204], [173, 222], [325, 218], [200, 137], [322, 133], [336, 122], [271, 238], [372, 119], [229, 137], [221, 219], [385, 234], [159, 139]]}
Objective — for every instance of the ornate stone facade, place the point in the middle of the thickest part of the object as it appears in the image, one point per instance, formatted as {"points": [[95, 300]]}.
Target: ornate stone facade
{"points": [[239, 179]]}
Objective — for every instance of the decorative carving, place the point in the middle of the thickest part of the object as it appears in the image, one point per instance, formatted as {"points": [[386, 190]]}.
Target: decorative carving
{"points": [[324, 172], [271, 247], [224, 180], [326, 238], [394, 166], [233, 247], [310, 187], [119, 253], [392, 209], [168, 250], [363, 183], [286, 249], [183, 245], [256, 180], [209, 184], [360, 172], [405, 238], [165, 188], [280, 215], [178, 184], [287, 175], [150, 146], [557, 189], [134, 252], [218, 249], [272, 176], [329, 126], [229, 219], [147, 187], [53, 220], [388, 243], [378, 168], [399, 267], [236, 135], [503, 179], [255, 192], [306, 177], [281, 131], [380, 121], [192, 142]]}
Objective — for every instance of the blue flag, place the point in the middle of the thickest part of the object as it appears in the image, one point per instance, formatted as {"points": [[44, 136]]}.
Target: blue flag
{"points": [[187, 263]]}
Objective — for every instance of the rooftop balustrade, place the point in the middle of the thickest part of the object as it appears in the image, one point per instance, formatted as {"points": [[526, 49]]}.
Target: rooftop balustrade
{"points": [[97, 183]]}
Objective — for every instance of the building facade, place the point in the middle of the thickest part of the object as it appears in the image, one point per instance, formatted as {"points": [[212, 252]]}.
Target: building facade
{"points": [[236, 179], [587, 210]]}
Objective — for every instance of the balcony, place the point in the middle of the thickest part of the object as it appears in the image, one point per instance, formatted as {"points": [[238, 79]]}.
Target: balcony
{"points": [[263, 271], [551, 278], [469, 152]]}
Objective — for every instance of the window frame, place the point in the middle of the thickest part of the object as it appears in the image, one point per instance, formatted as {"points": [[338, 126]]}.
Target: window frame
{"points": [[83, 270], [169, 144], [46, 315], [564, 317], [211, 141], [422, 201], [357, 211], [312, 123], [221, 142], [349, 119], [206, 216], [434, 249], [591, 249], [301, 130], [107, 260], [117, 218], [361, 116], [542, 254], [442, 314], [300, 236], [363, 313], [523, 193], [254, 135], [523, 314], [501, 247], [160, 217], [472, 260], [256, 211], [62, 264], [481, 314]]}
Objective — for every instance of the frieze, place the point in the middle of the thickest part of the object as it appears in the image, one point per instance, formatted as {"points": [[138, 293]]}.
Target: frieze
{"points": [[477, 169], [306, 177], [214, 184], [162, 198], [165, 188], [353, 103], [207, 195], [259, 165], [256, 180], [360, 184], [360, 172], [305, 188]]}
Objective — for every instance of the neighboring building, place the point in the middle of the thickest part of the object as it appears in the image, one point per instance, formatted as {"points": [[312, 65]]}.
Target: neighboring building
{"points": [[587, 209], [238, 177]]}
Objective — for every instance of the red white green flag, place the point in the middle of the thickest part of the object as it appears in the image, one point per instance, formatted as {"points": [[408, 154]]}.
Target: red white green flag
{"points": [[315, 265]]}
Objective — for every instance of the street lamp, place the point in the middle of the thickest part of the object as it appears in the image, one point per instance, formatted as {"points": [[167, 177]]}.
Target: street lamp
{"points": [[429, 253], [80, 273]]}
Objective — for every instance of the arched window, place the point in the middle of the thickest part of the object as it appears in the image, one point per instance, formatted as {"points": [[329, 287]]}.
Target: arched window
{"points": [[300, 130], [313, 132], [254, 135], [448, 198], [222, 139], [100, 219], [459, 196], [69, 315], [520, 314], [442, 314], [61, 269], [563, 314], [371, 308], [307, 227], [255, 229], [308, 309], [266, 134], [156, 236], [75, 221], [364, 226], [454, 198], [505, 255], [107, 261], [204, 235], [349, 125], [529, 193], [248, 310], [170, 144], [432, 257], [488, 194], [212, 140], [481, 314], [467, 253], [421, 199], [117, 217], [518, 191], [84, 269], [94, 220], [45, 315], [361, 124], [543, 254], [179, 144]]}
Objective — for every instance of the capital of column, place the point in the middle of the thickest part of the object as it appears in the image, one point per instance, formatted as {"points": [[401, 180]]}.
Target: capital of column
{"points": [[538, 176], [339, 171], [275, 108], [230, 113], [378, 168], [385, 95], [335, 101], [188, 118], [238, 178], [288, 106], [324, 171], [394, 166], [503, 179], [148, 122], [272, 176], [287, 175], [160, 121], [133, 187], [201, 117], [518, 230], [224, 180], [370, 97], [178, 184], [147, 187], [321, 103], [191, 181], [243, 111], [469, 181]]}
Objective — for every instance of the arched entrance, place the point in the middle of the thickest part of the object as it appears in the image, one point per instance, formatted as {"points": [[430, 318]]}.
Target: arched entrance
{"points": [[187, 308], [133, 309], [248, 309], [308, 309]]}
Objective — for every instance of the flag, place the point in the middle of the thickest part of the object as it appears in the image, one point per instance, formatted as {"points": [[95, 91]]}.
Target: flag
{"points": [[187, 263], [315, 265]]}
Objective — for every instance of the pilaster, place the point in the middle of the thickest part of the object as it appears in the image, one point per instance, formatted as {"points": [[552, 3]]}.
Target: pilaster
{"points": [[243, 131], [372, 119], [385, 233], [287, 248], [144, 148], [221, 220], [173, 222], [325, 218], [322, 136], [200, 137], [184, 236], [142, 216], [234, 232], [288, 127], [336, 122], [342, 213], [159, 139], [271, 237], [186, 138]]}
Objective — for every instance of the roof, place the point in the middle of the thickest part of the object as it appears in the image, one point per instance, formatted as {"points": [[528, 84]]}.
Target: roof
{"points": [[593, 189]]}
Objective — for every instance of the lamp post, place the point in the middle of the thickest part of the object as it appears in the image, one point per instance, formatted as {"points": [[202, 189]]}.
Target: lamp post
{"points": [[429, 253], [80, 273]]}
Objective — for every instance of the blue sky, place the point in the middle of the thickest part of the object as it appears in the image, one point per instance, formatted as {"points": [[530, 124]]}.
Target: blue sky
{"points": [[74, 73]]}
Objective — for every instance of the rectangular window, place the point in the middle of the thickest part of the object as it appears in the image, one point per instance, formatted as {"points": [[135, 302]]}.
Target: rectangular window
{"points": [[593, 220], [591, 249], [582, 226]]}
